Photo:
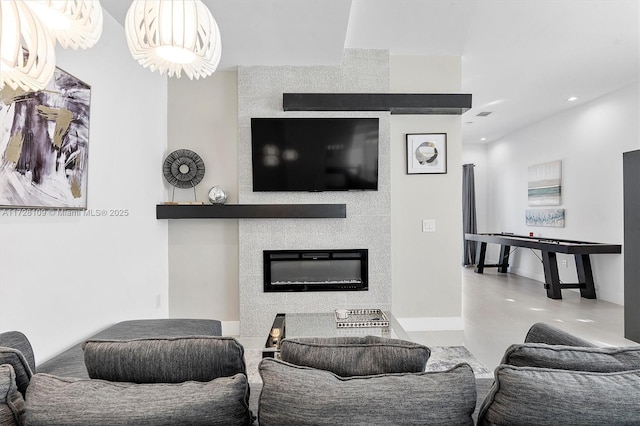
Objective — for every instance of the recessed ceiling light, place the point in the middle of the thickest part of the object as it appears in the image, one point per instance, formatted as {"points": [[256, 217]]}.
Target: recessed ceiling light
{"points": [[483, 113], [572, 98], [483, 139]]}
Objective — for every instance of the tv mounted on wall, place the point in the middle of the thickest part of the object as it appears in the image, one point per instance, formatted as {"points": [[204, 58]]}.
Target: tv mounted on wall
{"points": [[314, 154]]}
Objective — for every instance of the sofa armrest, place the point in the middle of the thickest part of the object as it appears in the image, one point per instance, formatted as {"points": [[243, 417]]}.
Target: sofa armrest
{"points": [[20, 366], [17, 340], [550, 335], [11, 401]]}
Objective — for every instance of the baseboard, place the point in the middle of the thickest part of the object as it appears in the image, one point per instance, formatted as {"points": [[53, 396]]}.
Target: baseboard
{"points": [[527, 274], [432, 323], [230, 328]]}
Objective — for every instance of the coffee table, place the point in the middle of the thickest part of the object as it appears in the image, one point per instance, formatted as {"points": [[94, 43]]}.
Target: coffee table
{"points": [[322, 324]]}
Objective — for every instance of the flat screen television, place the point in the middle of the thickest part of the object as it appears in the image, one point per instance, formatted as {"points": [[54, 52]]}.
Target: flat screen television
{"points": [[314, 154]]}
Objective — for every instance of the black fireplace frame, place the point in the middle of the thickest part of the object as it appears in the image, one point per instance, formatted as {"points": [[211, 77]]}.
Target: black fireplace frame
{"points": [[316, 255]]}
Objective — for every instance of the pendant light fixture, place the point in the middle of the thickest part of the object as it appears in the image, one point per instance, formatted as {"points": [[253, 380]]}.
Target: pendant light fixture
{"points": [[26, 50], [72, 23], [29, 32], [174, 36]]}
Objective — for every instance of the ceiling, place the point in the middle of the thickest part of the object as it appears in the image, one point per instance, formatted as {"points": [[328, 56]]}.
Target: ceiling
{"points": [[521, 60]]}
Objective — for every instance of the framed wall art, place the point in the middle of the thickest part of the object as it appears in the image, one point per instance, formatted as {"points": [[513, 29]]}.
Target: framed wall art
{"points": [[44, 142], [544, 186], [426, 153], [545, 217]]}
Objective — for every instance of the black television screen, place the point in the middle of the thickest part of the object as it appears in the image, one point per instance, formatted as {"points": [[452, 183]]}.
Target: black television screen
{"points": [[314, 154]]}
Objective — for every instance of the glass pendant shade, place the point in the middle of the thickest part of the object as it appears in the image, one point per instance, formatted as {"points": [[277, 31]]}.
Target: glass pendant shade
{"points": [[27, 53], [174, 36], [72, 23]]}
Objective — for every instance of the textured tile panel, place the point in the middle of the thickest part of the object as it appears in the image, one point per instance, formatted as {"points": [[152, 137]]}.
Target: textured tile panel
{"points": [[368, 221]]}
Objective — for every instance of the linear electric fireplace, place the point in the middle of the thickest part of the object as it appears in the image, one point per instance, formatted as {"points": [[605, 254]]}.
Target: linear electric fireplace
{"points": [[316, 270]]}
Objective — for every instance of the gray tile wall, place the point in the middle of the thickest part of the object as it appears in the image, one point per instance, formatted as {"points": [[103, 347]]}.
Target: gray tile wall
{"points": [[368, 222]]}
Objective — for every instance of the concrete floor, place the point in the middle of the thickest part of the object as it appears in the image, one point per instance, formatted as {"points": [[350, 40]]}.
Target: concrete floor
{"points": [[498, 309]]}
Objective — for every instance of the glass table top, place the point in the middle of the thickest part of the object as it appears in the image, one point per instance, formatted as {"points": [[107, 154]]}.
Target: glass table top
{"points": [[324, 325]]}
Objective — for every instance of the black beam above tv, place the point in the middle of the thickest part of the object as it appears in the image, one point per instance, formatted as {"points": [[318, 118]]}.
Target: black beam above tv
{"points": [[396, 103], [251, 211]]}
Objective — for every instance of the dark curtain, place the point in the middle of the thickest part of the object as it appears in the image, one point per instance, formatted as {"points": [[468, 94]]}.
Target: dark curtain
{"points": [[469, 225]]}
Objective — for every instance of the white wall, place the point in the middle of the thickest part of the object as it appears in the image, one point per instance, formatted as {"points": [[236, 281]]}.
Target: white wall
{"points": [[203, 253], [590, 140], [426, 274], [64, 278]]}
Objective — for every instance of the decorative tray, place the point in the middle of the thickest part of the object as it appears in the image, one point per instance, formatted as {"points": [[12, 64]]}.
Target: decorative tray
{"points": [[360, 318]]}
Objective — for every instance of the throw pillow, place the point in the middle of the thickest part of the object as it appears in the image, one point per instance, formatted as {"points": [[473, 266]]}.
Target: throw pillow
{"points": [[356, 356], [536, 396], [164, 360], [11, 401], [295, 395], [604, 360], [53, 400]]}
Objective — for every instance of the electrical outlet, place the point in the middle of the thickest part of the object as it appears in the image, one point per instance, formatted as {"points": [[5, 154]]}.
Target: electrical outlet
{"points": [[428, 225]]}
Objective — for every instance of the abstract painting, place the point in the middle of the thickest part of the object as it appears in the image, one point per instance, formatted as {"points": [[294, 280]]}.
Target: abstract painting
{"points": [[426, 153], [545, 217], [44, 141], [545, 184]]}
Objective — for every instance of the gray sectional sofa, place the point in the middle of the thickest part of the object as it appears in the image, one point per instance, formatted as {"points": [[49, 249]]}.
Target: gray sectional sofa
{"points": [[182, 372], [143, 372], [552, 378]]}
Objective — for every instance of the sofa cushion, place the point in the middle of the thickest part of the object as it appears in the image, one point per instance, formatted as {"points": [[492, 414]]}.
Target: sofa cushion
{"points": [[545, 333], [53, 400], [161, 327], [295, 395], [164, 360], [535, 396], [356, 356], [603, 360], [70, 363], [11, 401]]}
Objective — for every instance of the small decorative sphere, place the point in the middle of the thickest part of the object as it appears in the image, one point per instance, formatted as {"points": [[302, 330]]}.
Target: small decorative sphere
{"points": [[217, 195]]}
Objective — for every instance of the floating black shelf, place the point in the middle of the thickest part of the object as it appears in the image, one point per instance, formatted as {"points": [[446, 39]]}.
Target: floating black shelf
{"points": [[396, 103], [251, 211]]}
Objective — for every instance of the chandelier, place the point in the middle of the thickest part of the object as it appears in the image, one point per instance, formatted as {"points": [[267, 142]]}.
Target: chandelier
{"points": [[30, 29], [174, 36]]}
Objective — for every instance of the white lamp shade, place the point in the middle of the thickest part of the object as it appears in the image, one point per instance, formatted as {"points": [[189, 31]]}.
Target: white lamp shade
{"points": [[73, 23], [26, 50], [174, 36]]}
